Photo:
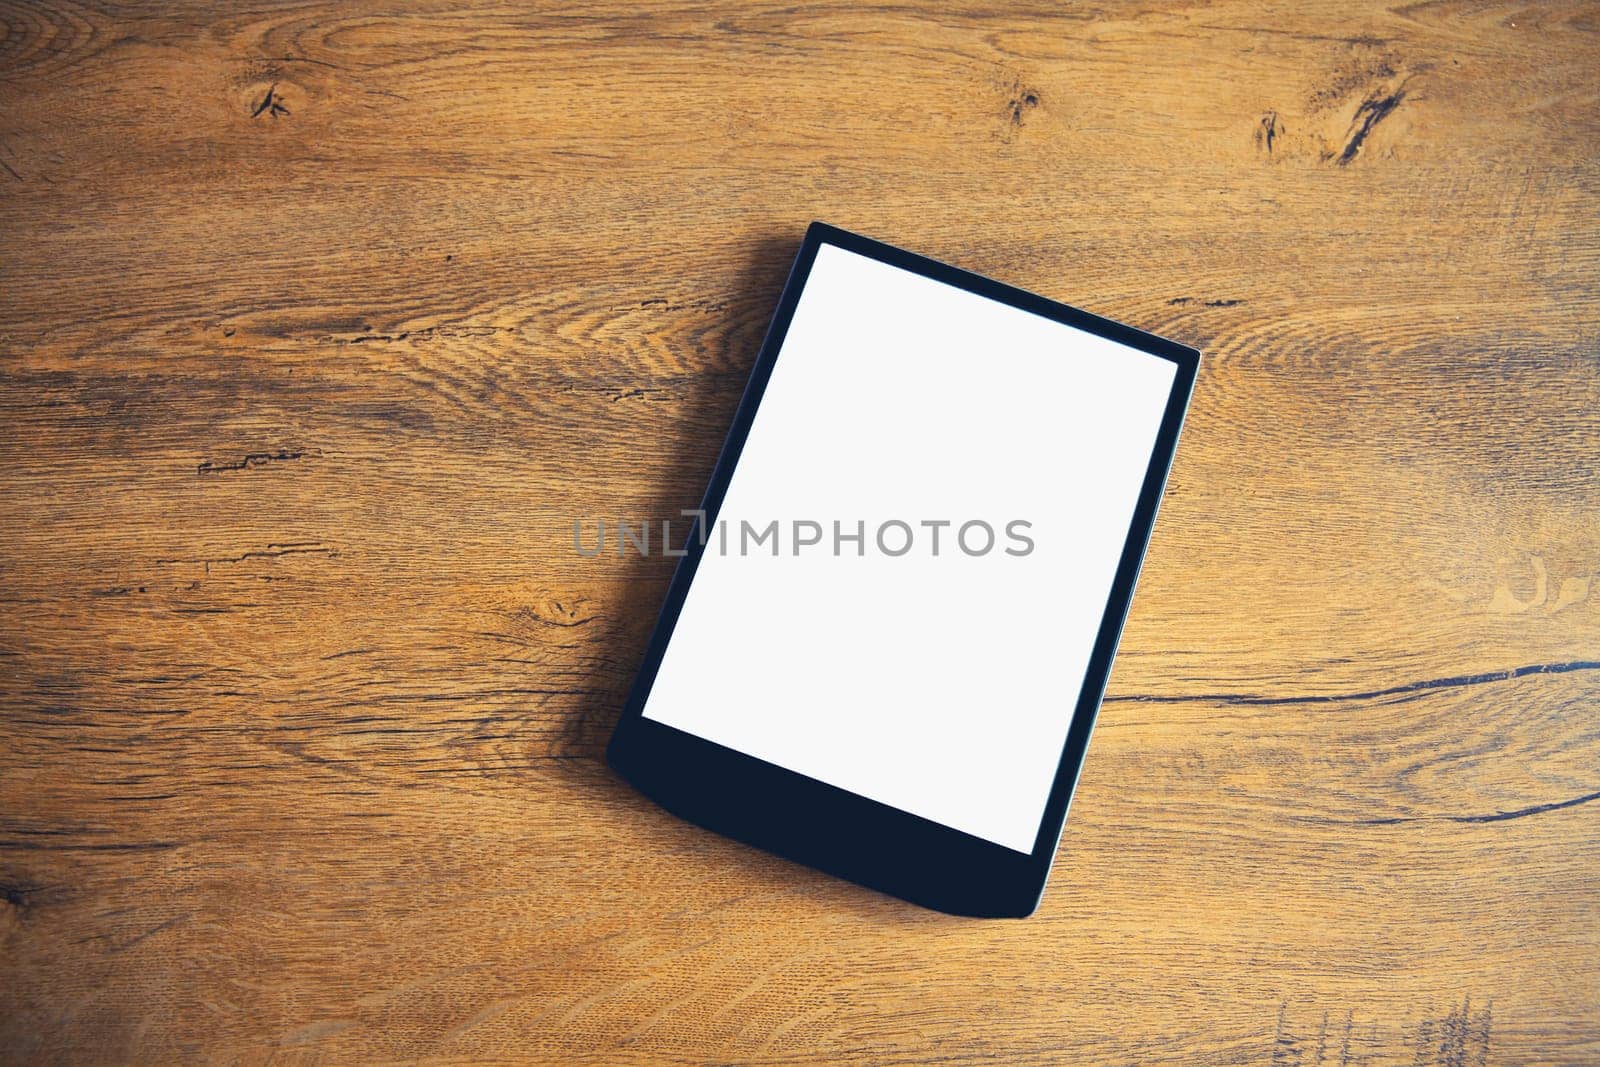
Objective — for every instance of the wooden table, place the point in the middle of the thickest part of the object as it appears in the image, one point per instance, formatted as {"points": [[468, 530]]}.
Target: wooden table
{"points": [[320, 325]]}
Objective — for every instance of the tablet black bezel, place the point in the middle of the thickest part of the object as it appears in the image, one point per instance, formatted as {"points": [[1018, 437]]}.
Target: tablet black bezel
{"points": [[824, 826]]}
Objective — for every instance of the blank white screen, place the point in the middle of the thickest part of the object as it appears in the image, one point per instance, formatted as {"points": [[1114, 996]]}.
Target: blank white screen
{"points": [[940, 685]]}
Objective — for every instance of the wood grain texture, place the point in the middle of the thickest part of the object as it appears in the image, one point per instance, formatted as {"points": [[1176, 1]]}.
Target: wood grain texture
{"points": [[320, 323]]}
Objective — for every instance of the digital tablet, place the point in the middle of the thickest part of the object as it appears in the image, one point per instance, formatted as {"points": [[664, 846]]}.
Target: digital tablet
{"points": [[889, 632]]}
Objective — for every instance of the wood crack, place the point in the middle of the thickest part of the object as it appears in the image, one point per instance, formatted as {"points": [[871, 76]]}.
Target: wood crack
{"points": [[426, 334], [1257, 700], [1373, 110], [1496, 816], [272, 551], [251, 459]]}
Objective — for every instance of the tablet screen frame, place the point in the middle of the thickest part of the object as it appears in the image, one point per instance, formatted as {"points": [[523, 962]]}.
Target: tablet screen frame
{"points": [[832, 829]]}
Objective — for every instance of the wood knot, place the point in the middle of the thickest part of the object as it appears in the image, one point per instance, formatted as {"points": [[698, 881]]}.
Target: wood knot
{"points": [[1022, 102], [270, 104], [1268, 130]]}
